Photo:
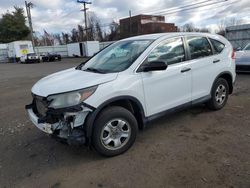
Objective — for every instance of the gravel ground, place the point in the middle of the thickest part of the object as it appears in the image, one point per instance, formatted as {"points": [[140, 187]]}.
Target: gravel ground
{"points": [[192, 148]]}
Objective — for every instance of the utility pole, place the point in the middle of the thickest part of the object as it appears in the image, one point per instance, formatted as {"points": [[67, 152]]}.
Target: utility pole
{"points": [[85, 14], [28, 6], [130, 26]]}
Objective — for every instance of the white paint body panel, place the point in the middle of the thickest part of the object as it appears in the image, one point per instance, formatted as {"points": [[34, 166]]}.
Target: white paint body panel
{"points": [[69, 80], [166, 89], [156, 91]]}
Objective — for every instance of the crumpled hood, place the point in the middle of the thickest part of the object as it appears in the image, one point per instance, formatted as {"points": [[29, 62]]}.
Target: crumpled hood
{"points": [[69, 80]]}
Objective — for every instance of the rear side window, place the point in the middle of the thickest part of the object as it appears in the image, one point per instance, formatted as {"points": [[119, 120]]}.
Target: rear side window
{"points": [[199, 47], [218, 46]]}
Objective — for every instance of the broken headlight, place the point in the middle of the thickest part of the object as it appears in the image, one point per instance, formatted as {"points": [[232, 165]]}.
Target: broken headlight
{"points": [[70, 98]]}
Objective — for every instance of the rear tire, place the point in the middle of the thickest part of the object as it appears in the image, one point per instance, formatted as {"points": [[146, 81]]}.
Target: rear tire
{"points": [[114, 132], [219, 94]]}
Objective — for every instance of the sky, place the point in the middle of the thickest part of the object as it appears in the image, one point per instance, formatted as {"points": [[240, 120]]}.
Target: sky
{"points": [[56, 16]]}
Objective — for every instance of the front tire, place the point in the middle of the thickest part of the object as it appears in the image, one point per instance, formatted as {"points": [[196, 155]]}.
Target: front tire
{"points": [[115, 131], [219, 94]]}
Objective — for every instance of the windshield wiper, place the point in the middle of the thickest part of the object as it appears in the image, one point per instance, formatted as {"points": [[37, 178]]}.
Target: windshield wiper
{"points": [[94, 70]]}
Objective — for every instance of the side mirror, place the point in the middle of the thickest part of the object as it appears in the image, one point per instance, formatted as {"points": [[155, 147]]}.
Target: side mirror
{"points": [[154, 66], [238, 49]]}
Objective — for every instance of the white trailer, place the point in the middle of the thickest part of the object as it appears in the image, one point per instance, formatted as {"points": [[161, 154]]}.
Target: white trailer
{"points": [[91, 47], [17, 49], [83, 49], [74, 50]]}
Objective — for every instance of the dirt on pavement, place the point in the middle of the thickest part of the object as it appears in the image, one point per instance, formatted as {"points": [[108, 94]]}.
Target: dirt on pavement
{"points": [[193, 148]]}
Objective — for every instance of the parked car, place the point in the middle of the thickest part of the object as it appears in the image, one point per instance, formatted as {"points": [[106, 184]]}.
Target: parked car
{"points": [[30, 58], [243, 59], [51, 57], [104, 102]]}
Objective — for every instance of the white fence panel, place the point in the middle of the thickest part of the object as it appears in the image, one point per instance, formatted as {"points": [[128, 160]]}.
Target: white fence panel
{"points": [[3, 55], [62, 50]]}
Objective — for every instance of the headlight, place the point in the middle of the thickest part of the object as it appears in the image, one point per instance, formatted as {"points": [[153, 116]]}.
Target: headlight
{"points": [[71, 98]]}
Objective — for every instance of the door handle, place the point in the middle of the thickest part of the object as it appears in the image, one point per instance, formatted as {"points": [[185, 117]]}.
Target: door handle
{"points": [[216, 61], [185, 70]]}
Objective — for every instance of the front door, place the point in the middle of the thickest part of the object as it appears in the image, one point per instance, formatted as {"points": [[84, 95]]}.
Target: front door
{"points": [[170, 88]]}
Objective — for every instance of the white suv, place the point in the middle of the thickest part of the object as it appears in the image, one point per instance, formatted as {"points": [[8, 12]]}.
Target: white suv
{"points": [[105, 101]]}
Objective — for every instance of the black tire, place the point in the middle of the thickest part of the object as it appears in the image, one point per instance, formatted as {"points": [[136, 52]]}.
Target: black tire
{"points": [[215, 104], [111, 114]]}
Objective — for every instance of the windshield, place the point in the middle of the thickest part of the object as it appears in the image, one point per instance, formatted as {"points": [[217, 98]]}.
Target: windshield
{"points": [[247, 47], [117, 57]]}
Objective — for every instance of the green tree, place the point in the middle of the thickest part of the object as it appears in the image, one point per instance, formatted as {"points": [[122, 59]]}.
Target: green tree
{"points": [[12, 26]]}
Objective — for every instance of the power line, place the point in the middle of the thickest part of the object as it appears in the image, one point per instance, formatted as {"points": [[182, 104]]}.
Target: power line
{"points": [[215, 8], [181, 7], [188, 8], [191, 8]]}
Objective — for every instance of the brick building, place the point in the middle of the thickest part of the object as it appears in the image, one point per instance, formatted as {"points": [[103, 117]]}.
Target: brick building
{"points": [[145, 24]]}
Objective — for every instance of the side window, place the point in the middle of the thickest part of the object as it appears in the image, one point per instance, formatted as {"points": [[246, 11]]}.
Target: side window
{"points": [[171, 51], [199, 47], [218, 46]]}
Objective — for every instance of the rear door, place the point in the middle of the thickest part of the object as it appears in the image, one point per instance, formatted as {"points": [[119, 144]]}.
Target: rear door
{"points": [[203, 64], [169, 88]]}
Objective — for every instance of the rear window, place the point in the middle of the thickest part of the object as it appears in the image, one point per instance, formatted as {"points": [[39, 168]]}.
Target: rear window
{"points": [[199, 47], [218, 46]]}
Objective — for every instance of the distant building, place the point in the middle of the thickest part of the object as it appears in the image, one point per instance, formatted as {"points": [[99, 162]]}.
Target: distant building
{"points": [[145, 24], [238, 35]]}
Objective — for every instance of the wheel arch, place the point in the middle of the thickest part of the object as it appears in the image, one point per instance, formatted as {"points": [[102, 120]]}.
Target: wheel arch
{"points": [[130, 103], [228, 77]]}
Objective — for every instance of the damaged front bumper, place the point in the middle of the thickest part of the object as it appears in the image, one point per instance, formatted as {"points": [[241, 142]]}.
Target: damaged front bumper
{"points": [[45, 127], [66, 123]]}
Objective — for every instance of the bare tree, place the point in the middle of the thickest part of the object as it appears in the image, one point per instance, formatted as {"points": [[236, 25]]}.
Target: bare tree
{"points": [[81, 34], [99, 32], [57, 36], [65, 37], [95, 31], [204, 30], [114, 31], [74, 35], [189, 27], [223, 24]]}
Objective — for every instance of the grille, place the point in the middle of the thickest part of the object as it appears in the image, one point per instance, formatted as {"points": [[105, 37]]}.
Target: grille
{"points": [[40, 105]]}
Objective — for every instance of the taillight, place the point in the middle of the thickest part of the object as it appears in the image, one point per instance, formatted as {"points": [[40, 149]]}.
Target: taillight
{"points": [[233, 54]]}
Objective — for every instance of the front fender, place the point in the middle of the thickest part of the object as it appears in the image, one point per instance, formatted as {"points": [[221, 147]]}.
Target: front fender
{"points": [[89, 124]]}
